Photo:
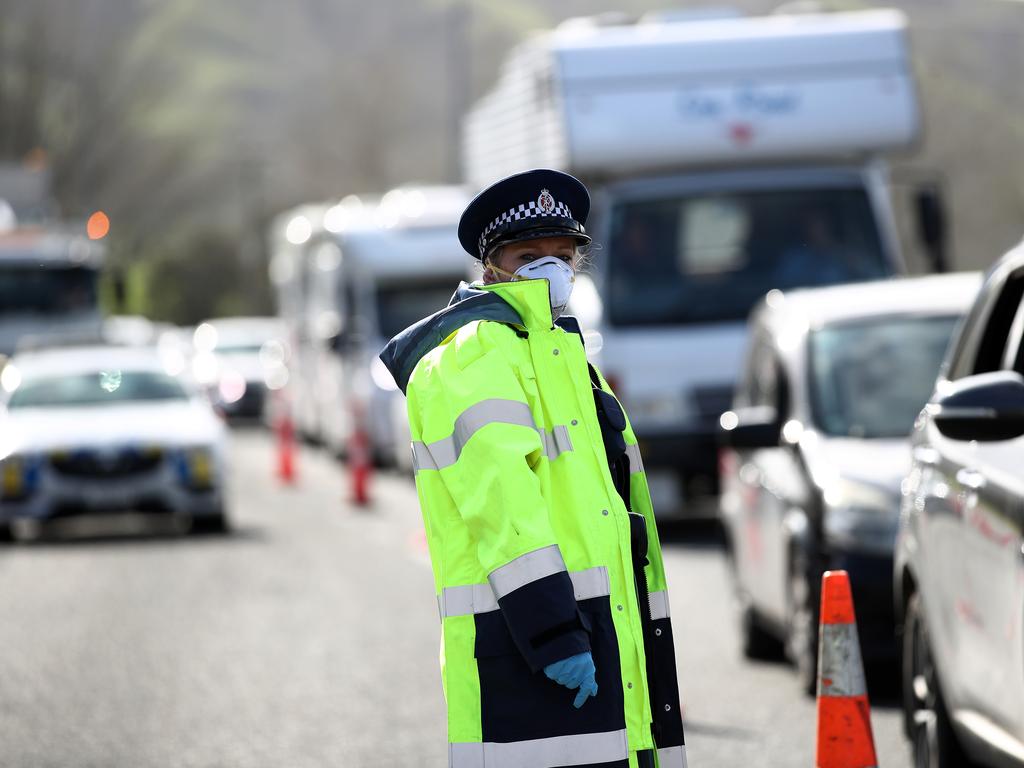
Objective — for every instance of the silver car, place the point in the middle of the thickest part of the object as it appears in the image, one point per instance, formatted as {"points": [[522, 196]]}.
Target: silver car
{"points": [[94, 430], [816, 448], [959, 564]]}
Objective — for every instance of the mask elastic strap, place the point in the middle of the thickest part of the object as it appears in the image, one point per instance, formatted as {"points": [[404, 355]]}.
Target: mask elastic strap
{"points": [[512, 277]]}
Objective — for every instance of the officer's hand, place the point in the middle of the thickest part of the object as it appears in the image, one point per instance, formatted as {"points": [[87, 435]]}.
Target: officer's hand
{"points": [[575, 672]]}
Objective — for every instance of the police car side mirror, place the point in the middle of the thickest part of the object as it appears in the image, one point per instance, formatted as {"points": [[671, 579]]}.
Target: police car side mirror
{"points": [[750, 428]]}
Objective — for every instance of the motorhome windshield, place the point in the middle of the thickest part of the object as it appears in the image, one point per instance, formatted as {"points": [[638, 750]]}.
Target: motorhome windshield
{"points": [[871, 379], [401, 305], [26, 289], [709, 258]]}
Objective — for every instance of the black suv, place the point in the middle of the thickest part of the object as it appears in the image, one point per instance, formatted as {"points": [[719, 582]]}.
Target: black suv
{"points": [[959, 565]]}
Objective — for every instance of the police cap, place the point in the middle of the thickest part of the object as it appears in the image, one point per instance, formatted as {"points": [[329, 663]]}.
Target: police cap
{"points": [[525, 206]]}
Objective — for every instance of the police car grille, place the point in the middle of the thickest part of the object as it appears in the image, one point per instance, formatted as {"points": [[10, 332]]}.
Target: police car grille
{"points": [[95, 465]]}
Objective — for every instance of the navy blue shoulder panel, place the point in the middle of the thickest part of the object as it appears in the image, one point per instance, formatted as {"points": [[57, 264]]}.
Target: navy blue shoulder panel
{"points": [[404, 351]]}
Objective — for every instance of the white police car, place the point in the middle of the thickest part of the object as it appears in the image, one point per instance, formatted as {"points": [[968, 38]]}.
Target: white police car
{"points": [[96, 430]]}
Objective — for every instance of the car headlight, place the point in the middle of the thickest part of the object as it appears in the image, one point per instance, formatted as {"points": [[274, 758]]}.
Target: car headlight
{"points": [[19, 477], [860, 517], [196, 468]]}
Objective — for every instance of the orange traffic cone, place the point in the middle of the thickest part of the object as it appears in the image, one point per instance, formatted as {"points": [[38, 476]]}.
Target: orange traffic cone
{"points": [[844, 715], [285, 448], [360, 463]]}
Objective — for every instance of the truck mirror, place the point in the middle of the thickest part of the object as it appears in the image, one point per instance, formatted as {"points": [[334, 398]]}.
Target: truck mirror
{"points": [[931, 225], [120, 289]]}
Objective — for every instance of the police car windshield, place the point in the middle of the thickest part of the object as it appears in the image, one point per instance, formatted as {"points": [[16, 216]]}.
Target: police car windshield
{"points": [[870, 379], [709, 258], [33, 290], [401, 305], [96, 389]]}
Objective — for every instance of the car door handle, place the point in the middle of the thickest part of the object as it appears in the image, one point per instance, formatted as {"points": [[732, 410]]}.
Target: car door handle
{"points": [[970, 478]]}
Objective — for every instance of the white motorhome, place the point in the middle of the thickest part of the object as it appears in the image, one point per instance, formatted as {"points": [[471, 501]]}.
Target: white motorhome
{"points": [[49, 287], [363, 271], [726, 157]]}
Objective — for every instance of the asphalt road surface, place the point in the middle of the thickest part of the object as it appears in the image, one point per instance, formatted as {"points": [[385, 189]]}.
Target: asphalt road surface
{"points": [[309, 637]]}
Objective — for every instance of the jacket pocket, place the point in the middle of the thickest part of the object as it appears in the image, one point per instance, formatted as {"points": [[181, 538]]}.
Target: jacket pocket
{"points": [[517, 704]]}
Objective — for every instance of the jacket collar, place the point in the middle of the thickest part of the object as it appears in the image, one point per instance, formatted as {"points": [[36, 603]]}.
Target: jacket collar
{"points": [[529, 298], [524, 303], [469, 303]]}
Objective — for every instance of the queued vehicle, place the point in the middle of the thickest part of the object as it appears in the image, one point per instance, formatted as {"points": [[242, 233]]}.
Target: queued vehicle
{"points": [[49, 287], [816, 446], [347, 278], [720, 168], [94, 430], [959, 569], [240, 360]]}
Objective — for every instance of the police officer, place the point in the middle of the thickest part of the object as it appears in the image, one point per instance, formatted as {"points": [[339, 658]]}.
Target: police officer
{"points": [[556, 639]]}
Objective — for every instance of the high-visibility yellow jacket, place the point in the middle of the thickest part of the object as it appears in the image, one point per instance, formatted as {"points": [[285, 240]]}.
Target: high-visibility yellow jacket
{"points": [[531, 543]]}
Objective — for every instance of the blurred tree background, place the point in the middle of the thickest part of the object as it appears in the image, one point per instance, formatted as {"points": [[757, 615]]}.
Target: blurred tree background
{"points": [[193, 123]]}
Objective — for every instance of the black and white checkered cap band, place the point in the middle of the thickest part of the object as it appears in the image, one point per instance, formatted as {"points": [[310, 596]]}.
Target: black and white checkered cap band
{"points": [[530, 210]]}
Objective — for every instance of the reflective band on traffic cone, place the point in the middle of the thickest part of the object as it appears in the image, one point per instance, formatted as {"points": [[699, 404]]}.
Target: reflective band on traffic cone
{"points": [[844, 715]]}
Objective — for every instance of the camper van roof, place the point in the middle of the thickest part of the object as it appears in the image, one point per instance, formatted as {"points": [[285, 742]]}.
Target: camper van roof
{"points": [[411, 231]]}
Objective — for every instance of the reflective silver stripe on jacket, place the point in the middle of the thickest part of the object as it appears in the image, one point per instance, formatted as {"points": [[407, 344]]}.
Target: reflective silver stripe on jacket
{"points": [[636, 464], [659, 605], [525, 569], [479, 598], [672, 757], [578, 749], [446, 451]]}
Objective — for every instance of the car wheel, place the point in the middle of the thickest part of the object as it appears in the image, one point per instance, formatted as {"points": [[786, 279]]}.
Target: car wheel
{"points": [[802, 626], [757, 642], [926, 718], [210, 524]]}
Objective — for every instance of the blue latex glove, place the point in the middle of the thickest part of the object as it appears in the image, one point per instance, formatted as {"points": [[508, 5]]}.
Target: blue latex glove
{"points": [[575, 672]]}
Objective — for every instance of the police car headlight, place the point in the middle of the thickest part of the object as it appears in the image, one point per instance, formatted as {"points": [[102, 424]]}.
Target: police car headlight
{"points": [[197, 468], [19, 476], [860, 517]]}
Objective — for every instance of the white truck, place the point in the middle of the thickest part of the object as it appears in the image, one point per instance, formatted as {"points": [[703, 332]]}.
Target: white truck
{"points": [[726, 157], [49, 287], [351, 276]]}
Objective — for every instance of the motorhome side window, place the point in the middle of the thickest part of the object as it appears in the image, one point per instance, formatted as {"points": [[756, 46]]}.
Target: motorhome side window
{"points": [[709, 258]]}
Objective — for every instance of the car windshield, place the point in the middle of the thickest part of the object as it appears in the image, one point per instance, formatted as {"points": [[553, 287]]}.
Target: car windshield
{"points": [[46, 291], [100, 388], [871, 379], [399, 306], [238, 349], [709, 258]]}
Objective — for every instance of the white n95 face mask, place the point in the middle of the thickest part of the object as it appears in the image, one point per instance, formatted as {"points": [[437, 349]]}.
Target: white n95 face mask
{"points": [[560, 277]]}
